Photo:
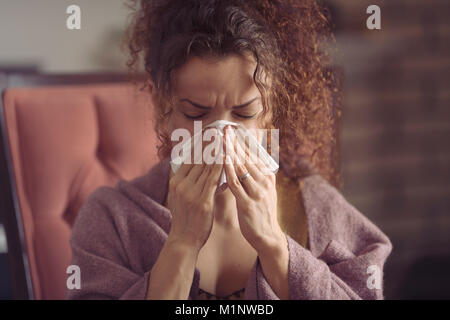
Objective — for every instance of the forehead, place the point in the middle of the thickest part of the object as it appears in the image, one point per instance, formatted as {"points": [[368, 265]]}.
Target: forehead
{"points": [[202, 77]]}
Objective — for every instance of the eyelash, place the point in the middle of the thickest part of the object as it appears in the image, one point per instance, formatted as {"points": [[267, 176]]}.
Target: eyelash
{"points": [[245, 117], [193, 117], [199, 116]]}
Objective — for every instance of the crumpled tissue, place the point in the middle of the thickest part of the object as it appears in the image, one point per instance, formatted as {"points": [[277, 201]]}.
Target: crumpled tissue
{"points": [[240, 131]]}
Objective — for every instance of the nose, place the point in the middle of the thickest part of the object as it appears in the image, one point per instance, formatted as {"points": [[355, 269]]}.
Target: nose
{"points": [[223, 115]]}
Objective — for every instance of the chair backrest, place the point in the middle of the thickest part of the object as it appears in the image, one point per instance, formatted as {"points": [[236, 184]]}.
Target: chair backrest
{"points": [[63, 137]]}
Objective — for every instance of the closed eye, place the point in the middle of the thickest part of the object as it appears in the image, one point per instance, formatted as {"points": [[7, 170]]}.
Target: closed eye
{"points": [[194, 117], [245, 116]]}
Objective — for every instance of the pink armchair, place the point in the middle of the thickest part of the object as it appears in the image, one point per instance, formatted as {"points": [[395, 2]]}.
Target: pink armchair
{"points": [[62, 137]]}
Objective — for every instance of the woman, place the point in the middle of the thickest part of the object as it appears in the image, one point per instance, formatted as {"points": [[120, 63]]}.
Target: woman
{"points": [[172, 235]]}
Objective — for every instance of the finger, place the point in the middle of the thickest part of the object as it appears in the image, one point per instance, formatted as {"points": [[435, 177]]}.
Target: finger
{"points": [[228, 144], [182, 172], [203, 177], [252, 152], [195, 172], [187, 159], [242, 163], [210, 185], [249, 184], [233, 181], [231, 142], [249, 162]]}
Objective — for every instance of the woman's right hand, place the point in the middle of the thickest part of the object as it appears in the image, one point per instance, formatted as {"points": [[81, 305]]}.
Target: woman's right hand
{"points": [[191, 202]]}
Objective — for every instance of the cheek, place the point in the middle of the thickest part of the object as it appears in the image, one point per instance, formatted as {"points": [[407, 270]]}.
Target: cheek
{"points": [[177, 121], [256, 127]]}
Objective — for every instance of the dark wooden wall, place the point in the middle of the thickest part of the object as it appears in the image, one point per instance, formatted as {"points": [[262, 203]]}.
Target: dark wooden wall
{"points": [[395, 136]]}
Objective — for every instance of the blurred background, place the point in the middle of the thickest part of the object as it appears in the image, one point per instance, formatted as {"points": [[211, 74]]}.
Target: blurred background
{"points": [[395, 129], [395, 149]]}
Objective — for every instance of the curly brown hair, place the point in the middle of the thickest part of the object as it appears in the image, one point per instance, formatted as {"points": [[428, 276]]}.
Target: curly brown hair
{"points": [[283, 36]]}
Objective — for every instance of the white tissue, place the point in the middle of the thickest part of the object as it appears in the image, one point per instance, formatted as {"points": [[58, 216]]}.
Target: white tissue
{"points": [[241, 133]]}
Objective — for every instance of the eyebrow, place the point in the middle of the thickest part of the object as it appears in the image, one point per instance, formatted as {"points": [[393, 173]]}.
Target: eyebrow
{"points": [[207, 107]]}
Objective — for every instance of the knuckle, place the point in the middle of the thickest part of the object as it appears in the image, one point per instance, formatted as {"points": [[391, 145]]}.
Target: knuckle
{"points": [[210, 184], [189, 199], [178, 188], [235, 182], [258, 195], [205, 207], [247, 207], [272, 178], [266, 183]]}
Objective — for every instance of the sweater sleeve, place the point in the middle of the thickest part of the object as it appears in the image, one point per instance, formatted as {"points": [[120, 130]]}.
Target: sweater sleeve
{"points": [[337, 273], [350, 266], [101, 258]]}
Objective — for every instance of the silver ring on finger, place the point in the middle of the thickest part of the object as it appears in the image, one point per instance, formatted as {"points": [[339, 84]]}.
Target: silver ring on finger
{"points": [[245, 176]]}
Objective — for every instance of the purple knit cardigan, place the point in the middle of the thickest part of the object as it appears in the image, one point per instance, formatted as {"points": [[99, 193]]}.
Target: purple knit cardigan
{"points": [[120, 231]]}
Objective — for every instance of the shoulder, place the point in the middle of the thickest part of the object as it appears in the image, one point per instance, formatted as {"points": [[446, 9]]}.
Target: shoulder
{"points": [[96, 214], [116, 208], [332, 217], [149, 187], [101, 204]]}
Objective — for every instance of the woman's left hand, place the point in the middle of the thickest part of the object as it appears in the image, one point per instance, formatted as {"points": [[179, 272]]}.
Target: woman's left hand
{"points": [[256, 196], [256, 201]]}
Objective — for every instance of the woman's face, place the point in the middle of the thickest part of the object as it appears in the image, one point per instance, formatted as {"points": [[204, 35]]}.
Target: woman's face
{"points": [[220, 89]]}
